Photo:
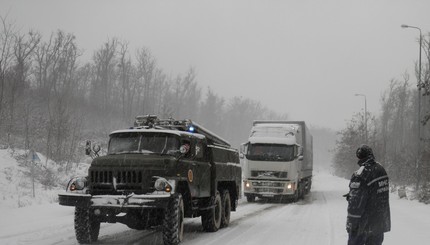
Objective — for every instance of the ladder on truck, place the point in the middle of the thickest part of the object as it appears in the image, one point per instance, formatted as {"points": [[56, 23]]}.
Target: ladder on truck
{"points": [[152, 121]]}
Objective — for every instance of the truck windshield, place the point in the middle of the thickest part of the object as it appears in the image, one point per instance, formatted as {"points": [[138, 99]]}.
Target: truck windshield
{"points": [[271, 152], [133, 142]]}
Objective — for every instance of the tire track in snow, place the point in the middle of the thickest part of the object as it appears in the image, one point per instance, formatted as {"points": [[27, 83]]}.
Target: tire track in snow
{"points": [[330, 220], [239, 225]]}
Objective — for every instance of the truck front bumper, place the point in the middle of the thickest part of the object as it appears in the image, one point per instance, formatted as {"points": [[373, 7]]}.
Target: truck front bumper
{"points": [[115, 201], [269, 188]]}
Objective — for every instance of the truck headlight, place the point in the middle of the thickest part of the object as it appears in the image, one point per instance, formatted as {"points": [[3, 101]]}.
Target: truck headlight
{"points": [[247, 184], [77, 184], [291, 186], [161, 184]]}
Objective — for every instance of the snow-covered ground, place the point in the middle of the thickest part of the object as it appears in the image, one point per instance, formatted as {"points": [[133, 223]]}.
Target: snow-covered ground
{"points": [[16, 182], [318, 219]]}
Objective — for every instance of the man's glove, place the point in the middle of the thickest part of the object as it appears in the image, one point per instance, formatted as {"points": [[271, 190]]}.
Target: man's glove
{"points": [[351, 228]]}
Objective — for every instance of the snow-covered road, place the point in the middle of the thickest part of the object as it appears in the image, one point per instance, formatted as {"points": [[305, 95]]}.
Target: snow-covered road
{"points": [[318, 219]]}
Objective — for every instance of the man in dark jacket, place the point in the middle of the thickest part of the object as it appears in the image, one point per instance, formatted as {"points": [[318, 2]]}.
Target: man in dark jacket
{"points": [[368, 202]]}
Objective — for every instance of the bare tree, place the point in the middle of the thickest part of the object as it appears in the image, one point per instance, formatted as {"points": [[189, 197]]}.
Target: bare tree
{"points": [[125, 69], [57, 85], [6, 42], [24, 46], [187, 95], [102, 85], [146, 66], [210, 111]]}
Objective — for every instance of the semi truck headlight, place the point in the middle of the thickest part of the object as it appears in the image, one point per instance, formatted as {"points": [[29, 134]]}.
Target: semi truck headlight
{"points": [[247, 184], [291, 186]]}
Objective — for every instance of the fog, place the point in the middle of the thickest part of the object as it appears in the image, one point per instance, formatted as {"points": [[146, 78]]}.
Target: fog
{"points": [[305, 59]]}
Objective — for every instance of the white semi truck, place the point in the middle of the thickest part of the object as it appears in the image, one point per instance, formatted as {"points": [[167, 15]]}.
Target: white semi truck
{"points": [[277, 160]]}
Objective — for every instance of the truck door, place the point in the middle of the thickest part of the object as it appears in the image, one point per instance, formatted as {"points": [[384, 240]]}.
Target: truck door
{"points": [[200, 174]]}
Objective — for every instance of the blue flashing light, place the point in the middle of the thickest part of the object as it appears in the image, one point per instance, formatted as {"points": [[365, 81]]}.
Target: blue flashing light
{"points": [[191, 129]]}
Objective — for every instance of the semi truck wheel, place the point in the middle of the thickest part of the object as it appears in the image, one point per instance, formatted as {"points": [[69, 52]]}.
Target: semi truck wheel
{"points": [[226, 209], [173, 223], [86, 226], [250, 198], [211, 219]]}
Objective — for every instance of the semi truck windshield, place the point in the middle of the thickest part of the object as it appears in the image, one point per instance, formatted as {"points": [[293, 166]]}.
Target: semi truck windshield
{"points": [[271, 152]]}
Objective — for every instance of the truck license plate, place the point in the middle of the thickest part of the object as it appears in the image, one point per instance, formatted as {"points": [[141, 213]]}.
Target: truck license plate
{"points": [[268, 195]]}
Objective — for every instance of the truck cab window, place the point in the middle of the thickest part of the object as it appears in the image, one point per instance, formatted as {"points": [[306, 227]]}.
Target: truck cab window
{"points": [[271, 152], [157, 143]]}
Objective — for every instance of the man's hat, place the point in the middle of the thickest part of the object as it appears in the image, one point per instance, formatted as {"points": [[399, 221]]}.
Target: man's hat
{"points": [[364, 151]]}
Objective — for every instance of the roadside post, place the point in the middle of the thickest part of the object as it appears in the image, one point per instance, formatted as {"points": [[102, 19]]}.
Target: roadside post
{"points": [[34, 158]]}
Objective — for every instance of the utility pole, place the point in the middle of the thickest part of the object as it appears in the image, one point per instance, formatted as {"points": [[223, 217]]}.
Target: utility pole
{"points": [[419, 85], [365, 117]]}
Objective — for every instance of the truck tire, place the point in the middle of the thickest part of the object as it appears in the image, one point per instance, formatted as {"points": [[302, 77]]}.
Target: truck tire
{"points": [[226, 209], [87, 227], [211, 219], [301, 190], [250, 198], [296, 196], [173, 223]]}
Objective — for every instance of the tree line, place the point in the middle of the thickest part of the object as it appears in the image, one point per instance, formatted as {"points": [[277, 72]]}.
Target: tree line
{"points": [[393, 134], [52, 101]]}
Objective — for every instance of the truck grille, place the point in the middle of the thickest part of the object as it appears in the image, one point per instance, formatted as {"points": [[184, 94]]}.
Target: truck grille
{"points": [[274, 187], [270, 190], [113, 181], [122, 177], [269, 174], [268, 184]]}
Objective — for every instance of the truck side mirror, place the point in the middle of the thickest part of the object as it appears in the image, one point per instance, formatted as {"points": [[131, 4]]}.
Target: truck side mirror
{"points": [[88, 148], [96, 149], [184, 149], [243, 149], [300, 153]]}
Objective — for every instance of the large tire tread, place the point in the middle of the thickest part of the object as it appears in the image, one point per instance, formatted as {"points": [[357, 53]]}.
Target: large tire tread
{"points": [[211, 219], [226, 209], [173, 223], [87, 228]]}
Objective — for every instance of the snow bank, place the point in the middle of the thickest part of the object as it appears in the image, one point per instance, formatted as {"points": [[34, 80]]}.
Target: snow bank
{"points": [[16, 182]]}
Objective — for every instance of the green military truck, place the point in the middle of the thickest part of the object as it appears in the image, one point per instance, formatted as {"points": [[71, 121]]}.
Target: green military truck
{"points": [[155, 174]]}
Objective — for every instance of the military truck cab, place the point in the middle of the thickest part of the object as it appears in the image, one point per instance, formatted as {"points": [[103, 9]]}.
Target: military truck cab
{"points": [[154, 175]]}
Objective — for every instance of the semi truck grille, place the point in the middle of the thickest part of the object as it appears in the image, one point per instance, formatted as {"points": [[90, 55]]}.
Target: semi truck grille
{"points": [[269, 174], [271, 190], [268, 184]]}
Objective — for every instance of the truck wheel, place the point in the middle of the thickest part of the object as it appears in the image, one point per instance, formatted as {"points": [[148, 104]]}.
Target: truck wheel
{"points": [[250, 198], [309, 186], [86, 226], [301, 191], [226, 209], [296, 196], [211, 219], [173, 223]]}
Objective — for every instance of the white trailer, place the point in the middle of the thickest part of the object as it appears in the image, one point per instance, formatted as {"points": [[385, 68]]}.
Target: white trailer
{"points": [[277, 160]]}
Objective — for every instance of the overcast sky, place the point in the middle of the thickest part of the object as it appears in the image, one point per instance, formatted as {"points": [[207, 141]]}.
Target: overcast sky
{"points": [[306, 58]]}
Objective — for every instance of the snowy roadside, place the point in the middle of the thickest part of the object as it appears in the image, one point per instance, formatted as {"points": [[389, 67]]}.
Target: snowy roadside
{"points": [[16, 182]]}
